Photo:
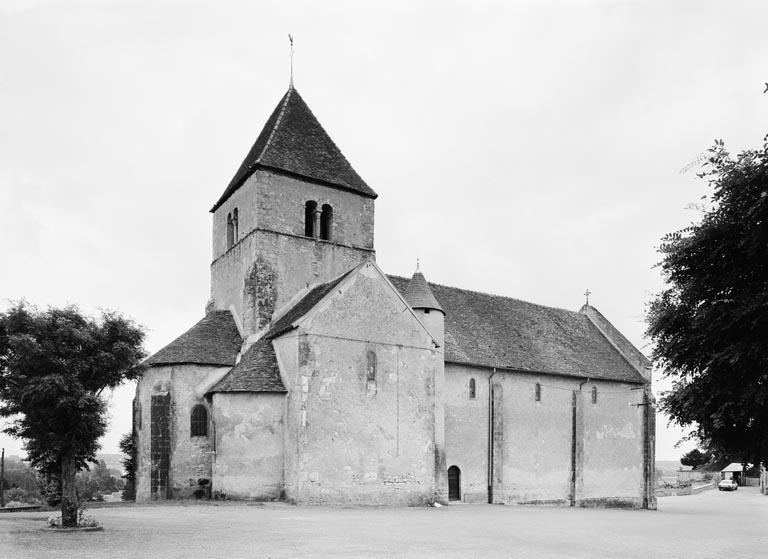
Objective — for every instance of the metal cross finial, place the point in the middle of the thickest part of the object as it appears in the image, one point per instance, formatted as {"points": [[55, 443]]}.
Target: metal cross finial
{"points": [[587, 293], [290, 38], [418, 266]]}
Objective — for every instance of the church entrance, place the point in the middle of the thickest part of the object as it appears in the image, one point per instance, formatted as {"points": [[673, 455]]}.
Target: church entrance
{"points": [[454, 483]]}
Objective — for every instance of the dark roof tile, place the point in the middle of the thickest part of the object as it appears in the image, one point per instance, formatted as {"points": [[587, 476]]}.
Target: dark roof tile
{"points": [[214, 340], [295, 142], [257, 371], [418, 294], [494, 331]]}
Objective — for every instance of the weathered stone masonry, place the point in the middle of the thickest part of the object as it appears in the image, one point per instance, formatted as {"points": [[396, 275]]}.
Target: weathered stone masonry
{"points": [[323, 380]]}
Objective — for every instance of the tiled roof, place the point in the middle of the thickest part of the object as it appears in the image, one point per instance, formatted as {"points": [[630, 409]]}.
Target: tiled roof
{"points": [[418, 294], [214, 340], [494, 331], [294, 141], [257, 371]]}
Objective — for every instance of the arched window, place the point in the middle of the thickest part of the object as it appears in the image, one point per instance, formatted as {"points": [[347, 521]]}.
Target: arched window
{"points": [[594, 394], [235, 225], [370, 366], [471, 388], [310, 212], [370, 373], [230, 231], [198, 425], [537, 392], [326, 222]]}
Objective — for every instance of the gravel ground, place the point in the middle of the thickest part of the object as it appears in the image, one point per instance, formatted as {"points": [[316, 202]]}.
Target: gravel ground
{"points": [[711, 524]]}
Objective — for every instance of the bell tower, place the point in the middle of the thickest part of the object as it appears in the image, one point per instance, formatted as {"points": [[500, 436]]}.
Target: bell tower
{"points": [[295, 214]]}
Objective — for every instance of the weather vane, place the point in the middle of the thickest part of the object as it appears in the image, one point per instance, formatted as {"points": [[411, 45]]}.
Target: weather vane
{"points": [[587, 293], [290, 38]]}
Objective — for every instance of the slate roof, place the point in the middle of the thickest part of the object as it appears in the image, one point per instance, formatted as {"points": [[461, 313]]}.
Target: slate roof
{"points": [[257, 371], [495, 331], [295, 142], [418, 294], [214, 340]]}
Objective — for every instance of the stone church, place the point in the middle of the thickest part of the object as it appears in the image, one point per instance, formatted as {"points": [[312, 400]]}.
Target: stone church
{"points": [[315, 377]]}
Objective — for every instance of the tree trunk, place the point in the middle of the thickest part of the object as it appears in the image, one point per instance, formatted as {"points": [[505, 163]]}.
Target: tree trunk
{"points": [[68, 493]]}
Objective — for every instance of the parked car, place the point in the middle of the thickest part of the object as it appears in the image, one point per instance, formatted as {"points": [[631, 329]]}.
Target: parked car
{"points": [[727, 485]]}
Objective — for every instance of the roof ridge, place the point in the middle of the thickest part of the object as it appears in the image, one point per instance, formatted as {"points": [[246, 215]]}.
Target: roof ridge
{"points": [[431, 283], [286, 98]]}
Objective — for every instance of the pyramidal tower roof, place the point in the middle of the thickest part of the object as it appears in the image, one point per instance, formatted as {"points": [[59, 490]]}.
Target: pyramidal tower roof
{"points": [[294, 142], [419, 295]]}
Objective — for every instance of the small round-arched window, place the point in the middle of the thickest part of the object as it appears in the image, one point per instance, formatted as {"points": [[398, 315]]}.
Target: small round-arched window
{"points": [[230, 231], [472, 392], [310, 216], [326, 222], [198, 426]]}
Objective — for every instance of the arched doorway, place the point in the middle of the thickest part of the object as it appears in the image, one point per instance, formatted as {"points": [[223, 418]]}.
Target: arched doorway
{"points": [[454, 483]]}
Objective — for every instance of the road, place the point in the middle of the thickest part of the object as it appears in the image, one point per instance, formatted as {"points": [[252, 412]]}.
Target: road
{"points": [[712, 524]]}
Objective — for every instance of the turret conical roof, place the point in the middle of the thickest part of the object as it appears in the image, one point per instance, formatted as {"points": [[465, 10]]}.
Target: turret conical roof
{"points": [[293, 141], [419, 295]]}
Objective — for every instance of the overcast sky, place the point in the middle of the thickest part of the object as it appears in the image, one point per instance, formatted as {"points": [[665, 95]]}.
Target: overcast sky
{"points": [[528, 149]]}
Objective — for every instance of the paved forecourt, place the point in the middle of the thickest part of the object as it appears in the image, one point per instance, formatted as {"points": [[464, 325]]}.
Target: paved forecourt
{"points": [[711, 524]]}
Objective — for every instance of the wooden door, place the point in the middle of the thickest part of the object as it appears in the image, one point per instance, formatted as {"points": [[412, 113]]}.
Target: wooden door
{"points": [[454, 483]]}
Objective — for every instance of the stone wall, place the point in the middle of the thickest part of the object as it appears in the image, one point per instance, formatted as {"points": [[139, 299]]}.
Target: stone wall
{"points": [[612, 470], [537, 450], [280, 207], [244, 199], [249, 445], [466, 430], [190, 457], [273, 260], [351, 439]]}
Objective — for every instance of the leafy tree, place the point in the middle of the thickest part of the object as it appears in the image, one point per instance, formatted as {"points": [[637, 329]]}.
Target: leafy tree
{"points": [[99, 480], [710, 324], [695, 458], [128, 447], [20, 482], [54, 367]]}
